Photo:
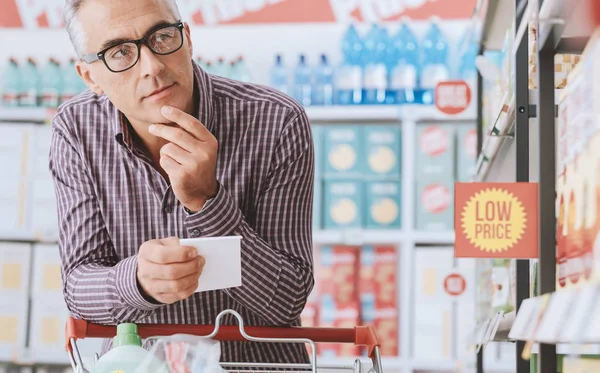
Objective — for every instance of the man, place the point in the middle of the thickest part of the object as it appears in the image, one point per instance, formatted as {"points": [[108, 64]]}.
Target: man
{"points": [[157, 150]]}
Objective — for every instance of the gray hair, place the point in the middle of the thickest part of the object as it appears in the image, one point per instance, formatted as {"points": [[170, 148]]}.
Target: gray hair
{"points": [[75, 28]]}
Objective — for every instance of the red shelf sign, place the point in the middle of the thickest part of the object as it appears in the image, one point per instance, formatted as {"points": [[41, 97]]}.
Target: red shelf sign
{"points": [[452, 97]]}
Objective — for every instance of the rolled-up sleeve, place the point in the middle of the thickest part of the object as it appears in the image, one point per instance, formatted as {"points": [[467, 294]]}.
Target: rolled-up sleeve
{"points": [[97, 286]]}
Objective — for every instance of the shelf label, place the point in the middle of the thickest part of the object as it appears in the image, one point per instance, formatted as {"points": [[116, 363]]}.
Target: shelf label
{"points": [[496, 220], [455, 284], [452, 97]]}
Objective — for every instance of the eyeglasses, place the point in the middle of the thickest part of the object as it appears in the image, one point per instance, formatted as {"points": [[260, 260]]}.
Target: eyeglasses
{"points": [[123, 56]]}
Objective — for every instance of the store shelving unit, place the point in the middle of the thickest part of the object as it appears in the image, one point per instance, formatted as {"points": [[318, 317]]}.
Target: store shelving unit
{"points": [[523, 148]]}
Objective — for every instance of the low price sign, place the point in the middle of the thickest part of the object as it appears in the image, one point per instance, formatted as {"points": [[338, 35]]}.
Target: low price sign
{"points": [[496, 220]]}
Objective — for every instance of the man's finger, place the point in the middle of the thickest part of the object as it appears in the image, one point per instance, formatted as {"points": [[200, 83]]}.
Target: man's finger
{"points": [[161, 254], [168, 286], [173, 271], [169, 165], [187, 122], [175, 135], [177, 153]]}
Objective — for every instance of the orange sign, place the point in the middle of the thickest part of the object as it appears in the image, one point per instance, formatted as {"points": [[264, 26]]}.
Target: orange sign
{"points": [[47, 13], [455, 284], [452, 97], [496, 220]]}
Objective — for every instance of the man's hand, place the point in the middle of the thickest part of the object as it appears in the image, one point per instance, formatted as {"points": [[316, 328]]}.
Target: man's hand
{"points": [[167, 271], [189, 158]]}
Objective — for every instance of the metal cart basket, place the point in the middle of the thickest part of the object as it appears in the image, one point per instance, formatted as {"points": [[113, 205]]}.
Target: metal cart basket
{"points": [[360, 336]]}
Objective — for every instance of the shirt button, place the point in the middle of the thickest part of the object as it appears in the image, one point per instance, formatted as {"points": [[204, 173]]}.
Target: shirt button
{"points": [[195, 233], [168, 209]]}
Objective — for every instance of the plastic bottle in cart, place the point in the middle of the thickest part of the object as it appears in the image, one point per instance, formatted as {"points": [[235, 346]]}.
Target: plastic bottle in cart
{"points": [[323, 83], [127, 355], [435, 61], [404, 74], [11, 84], [349, 75], [375, 72], [52, 84], [279, 75], [30, 84], [71, 82], [302, 82]]}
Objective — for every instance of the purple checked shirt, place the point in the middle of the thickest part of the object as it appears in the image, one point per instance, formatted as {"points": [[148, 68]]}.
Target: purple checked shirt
{"points": [[111, 200]]}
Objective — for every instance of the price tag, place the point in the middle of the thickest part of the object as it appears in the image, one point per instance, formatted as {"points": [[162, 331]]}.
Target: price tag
{"points": [[576, 322], [524, 320], [556, 313], [452, 97]]}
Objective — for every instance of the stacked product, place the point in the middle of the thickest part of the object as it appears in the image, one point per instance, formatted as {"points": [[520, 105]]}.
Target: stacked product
{"points": [[358, 177], [355, 286], [236, 69], [25, 85], [438, 146]]}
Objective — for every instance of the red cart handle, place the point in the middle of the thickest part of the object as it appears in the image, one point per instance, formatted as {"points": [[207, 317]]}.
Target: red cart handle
{"points": [[360, 335]]}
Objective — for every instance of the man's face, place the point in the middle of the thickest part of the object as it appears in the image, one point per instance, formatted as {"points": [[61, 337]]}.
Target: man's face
{"points": [[155, 80]]}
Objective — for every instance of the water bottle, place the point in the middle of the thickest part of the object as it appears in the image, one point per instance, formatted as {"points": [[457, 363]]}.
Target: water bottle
{"points": [[11, 84], [323, 87], [71, 82], [302, 82], [404, 74], [375, 75], [221, 68], [467, 70], [279, 75], [30, 84], [240, 71], [435, 61], [52, 84], [348, 76], [127, 355]]}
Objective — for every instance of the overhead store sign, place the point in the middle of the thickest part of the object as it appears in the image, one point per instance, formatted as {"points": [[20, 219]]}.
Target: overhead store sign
{"points": [[496, 220], [47, 13]]}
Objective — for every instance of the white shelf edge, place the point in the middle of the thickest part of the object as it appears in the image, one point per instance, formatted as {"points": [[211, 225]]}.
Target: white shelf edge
{"points": [[375, 236], [387, 362], [445, 238], [23, 114], [352, 113]]}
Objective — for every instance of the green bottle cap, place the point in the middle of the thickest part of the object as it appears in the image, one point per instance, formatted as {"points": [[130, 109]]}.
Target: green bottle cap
{"points": [[127, 335]]}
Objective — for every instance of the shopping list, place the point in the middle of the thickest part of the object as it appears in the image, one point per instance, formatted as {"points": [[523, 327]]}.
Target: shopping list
{"points": [[223, 268]]}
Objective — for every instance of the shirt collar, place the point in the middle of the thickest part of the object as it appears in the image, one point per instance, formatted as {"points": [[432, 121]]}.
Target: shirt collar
{"points": [[203, 89]]}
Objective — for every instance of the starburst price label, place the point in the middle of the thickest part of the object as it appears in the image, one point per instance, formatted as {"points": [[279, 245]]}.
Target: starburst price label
{"points": [[496, 220]]}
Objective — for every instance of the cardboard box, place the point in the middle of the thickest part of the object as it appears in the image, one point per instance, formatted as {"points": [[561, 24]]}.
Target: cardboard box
{"points": [[43, 210], [49, 315], [343, 204], [435, 204], [333, 315], [383, 150], [432, 333], [46, 279], [318, 204], [386, 277], [13, 326], [339, 273], [15, 264], [317, 134], [343, 152], [435, 151], [467, 152], [431, 266], [383, 205]]}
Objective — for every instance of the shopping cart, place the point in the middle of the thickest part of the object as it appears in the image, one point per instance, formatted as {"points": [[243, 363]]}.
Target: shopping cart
{"points": [[360, 336]]}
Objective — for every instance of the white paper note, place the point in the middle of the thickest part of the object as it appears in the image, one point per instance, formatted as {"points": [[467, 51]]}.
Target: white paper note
{"points": [[223, 268]]}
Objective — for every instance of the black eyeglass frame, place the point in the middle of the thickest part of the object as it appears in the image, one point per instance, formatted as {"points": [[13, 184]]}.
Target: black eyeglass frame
{"points": [[93, 57]]}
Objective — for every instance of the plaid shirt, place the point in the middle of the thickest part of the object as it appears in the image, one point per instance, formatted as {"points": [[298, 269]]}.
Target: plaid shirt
{"points": [[111, 200]]}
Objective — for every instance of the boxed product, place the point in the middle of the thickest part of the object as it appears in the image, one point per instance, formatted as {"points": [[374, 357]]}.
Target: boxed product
{"points": [[46, 271], [435, 204], [432, 333], [48, 319], [339, 271], [13, 326], [317, 134], [383, 204], [332, 315], [432, 264], [467, 152], [383, 150], [343, 152], [15, 263], [317, 204], [308, 317], [43, 210], [435, 151], [343, 204]]}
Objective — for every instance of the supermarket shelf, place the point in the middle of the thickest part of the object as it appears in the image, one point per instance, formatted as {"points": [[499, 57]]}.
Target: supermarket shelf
{"points": [[434, 365], [367, 364], [354, 113], [27, 237], [422, 113], [438, 238], [358, 237], [30, 115], [567, 25]]}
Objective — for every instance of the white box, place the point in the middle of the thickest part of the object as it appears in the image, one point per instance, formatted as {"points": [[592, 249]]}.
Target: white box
{"points": [[43, 210], [15, 263], [431, 266], [40, 152], [13, 327], [432, 332], [46, 278]]}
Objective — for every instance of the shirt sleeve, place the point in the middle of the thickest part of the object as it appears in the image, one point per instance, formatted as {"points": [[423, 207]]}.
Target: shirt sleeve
{"points": [[97, 286], [277, 255]]}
